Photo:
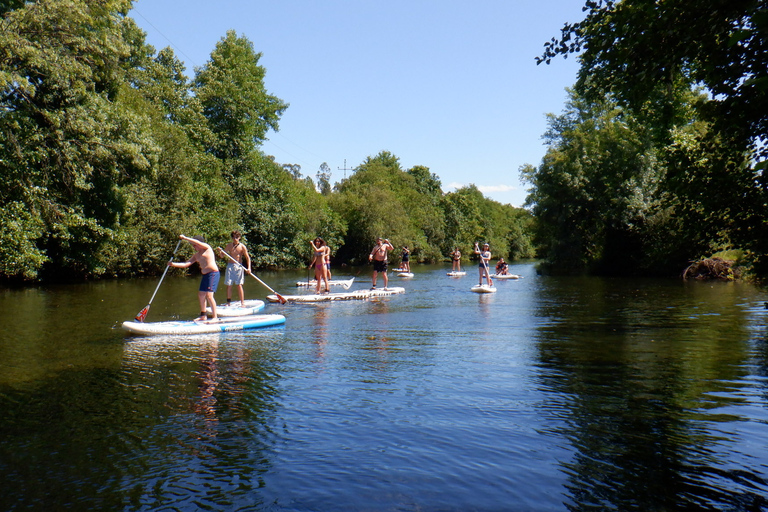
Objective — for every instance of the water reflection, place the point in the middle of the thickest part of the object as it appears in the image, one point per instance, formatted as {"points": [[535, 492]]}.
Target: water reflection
{"points": [[633, 378], [216, 425]]}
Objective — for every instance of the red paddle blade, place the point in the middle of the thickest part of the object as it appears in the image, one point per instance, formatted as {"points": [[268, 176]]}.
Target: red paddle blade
{"points": [[280, 298], [142, 314]]}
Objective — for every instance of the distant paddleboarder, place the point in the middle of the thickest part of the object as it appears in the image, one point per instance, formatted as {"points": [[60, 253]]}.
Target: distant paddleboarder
{"points": [[379, 258], [485, 259]]}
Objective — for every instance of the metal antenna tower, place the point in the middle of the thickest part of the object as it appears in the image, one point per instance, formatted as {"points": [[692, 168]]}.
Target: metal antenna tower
{"points": [[345, 169]]}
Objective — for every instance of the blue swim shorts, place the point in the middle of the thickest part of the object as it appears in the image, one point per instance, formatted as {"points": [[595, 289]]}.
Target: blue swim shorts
{"points": [[210, 281]]}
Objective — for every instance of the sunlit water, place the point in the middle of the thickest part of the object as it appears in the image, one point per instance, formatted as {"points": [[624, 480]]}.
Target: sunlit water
{"points": [[552, 394]]}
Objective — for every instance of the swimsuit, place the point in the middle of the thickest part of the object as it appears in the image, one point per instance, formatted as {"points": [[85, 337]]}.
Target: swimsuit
{"points": [[210, 281], [235, 274], [406, 256], [379, 265]]}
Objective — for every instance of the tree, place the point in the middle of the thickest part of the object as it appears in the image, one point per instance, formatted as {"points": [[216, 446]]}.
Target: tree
{"points": [[643, 52], [230, 88], [597, 195], [69, 143], [324, 179]]}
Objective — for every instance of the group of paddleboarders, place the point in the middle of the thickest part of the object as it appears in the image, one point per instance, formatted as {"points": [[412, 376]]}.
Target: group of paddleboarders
{"points": [[240, 263], [234, 275]]}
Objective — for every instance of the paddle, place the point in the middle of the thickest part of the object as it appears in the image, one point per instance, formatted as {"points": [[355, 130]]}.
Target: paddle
{"points": [[280, 298], [143, 313]]}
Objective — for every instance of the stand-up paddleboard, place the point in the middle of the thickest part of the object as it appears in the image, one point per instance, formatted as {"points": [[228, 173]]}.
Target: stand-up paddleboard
{"points": [[237, 309], [238, 323], [405, 274], [483, 288], [456, 273], [399, 270], [345, 283], [355, 295], [506, 276]]}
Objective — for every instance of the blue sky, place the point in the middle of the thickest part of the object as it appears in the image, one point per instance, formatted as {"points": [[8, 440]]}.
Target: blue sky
{"points": [[451, 85]]}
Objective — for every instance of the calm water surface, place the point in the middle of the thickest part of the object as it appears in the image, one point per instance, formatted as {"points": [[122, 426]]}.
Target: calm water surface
{"points": [[552, 394]]}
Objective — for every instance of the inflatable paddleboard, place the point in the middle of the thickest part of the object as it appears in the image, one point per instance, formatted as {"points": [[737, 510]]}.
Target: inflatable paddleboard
{"points": [[236, 309], [346, 283], [405, 274], [325, 297], [399, 270], [456, 273], [506, 276], [483, 288], [208, 326]]}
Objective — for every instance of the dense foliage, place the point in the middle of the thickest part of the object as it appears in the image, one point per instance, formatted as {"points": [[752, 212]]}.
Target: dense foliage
{"points": [[108, 151], [643, 172]]}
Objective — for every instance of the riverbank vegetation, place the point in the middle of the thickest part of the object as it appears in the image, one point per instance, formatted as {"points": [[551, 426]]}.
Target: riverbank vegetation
{"points": [[110, 151], [659, 158]]}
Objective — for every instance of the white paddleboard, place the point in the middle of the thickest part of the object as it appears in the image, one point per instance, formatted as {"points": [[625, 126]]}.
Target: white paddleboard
{"points": [[456, 273], [483, 288], [333, 282], [325, 297], [405, 274], [208, 326], [506, 276], [236, 309]]}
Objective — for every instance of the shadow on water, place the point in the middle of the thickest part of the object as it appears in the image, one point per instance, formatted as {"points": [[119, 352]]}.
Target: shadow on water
{"points": [[654, 385]]}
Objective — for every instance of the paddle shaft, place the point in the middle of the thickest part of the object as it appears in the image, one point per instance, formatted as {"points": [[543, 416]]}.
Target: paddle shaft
{"points": [[165, 272], [144, 311]]}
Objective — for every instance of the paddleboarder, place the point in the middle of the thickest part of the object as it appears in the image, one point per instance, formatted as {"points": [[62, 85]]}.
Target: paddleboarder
{"points": [[320, 259], [406, 260], [234, 273], [456, 258], [210, 280], [485, 258], [379, 258]]}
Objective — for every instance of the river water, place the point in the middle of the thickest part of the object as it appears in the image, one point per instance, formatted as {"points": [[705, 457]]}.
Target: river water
{"points": [[554, 393]]}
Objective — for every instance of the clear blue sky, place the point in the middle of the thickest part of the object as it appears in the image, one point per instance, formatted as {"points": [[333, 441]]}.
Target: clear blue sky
{"points": [[451, 85]]}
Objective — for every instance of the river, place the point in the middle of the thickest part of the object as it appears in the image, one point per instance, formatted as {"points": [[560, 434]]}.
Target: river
{"points": [[555, 393]]}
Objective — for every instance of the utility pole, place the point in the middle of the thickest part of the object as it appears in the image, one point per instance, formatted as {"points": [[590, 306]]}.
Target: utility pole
{"points": [[345, 169]]}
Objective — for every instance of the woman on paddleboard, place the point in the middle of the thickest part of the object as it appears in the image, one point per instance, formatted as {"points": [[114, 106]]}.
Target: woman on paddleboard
{"points": [[319, 263], [456, 258], [485, 259]]}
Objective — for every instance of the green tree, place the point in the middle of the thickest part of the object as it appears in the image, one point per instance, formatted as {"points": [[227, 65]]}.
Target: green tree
{"points": [[643, 52], [230, 88], [69, 144], [381, 199], [324, 179], [596, 190]]}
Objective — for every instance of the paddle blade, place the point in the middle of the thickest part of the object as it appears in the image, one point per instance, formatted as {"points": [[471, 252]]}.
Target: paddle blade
{"points": [[280, 298], [142, 314]]}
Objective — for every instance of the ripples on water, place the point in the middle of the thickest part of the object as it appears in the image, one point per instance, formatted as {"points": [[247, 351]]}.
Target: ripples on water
{"points": [[552, 394]]}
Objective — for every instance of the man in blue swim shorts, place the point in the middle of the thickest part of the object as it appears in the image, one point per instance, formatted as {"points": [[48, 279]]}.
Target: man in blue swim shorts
{"points": [[206, 258]]}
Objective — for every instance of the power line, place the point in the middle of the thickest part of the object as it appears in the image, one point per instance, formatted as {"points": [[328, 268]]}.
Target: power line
{"points": [[164, 37]]}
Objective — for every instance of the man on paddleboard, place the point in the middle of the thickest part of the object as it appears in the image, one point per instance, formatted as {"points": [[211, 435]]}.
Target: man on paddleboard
{"points": [[379, 258], [210, 281], [235, 274]]}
